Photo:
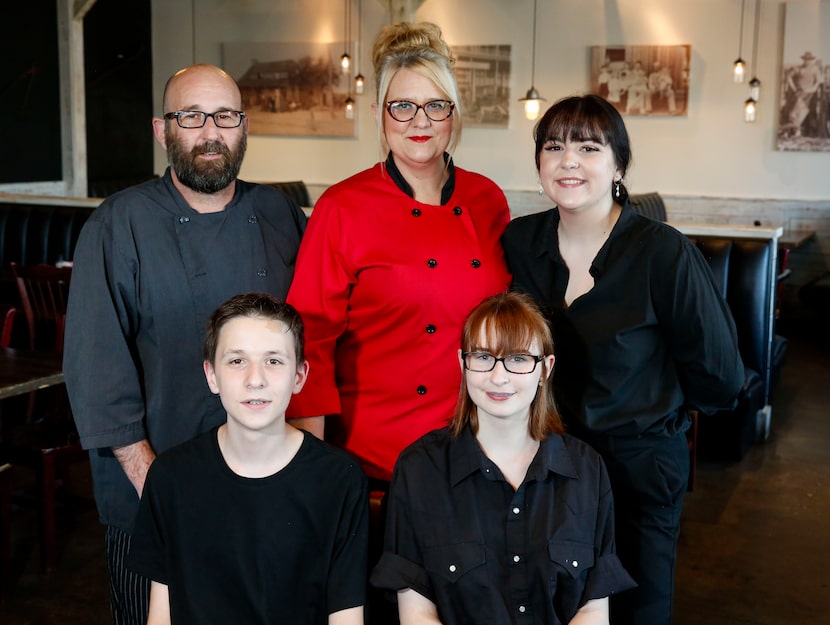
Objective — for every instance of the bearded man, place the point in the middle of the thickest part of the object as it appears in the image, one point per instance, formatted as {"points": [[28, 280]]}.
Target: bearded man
{"points": [[150, 266]]}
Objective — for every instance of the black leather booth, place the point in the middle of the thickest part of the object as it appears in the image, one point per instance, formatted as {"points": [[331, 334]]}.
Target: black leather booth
{"points": [[37, 231], [744, 269]]}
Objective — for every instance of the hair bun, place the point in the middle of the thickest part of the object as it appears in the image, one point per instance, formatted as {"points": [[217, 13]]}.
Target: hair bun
{"points": [[404, 36]]}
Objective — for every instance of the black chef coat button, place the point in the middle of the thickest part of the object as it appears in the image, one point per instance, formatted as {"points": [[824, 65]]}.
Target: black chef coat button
{"points": [[262, 273], [476, 263], [456, 210], [252, 219], [431, 329], [416, 212], [184, 220], [432, 263], [422, 390]]}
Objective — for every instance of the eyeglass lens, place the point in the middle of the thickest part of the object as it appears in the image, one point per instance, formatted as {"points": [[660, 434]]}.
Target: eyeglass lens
{"points": [[197, 119], [404, 110], [481, 362]]}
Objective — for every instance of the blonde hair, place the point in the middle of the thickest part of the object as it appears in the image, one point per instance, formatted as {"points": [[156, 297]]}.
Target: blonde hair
{"points": [[419, 48]]}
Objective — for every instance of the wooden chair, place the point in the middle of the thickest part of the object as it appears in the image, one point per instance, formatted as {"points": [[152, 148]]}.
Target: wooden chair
{"points": [[7, 314], [45, 439]]}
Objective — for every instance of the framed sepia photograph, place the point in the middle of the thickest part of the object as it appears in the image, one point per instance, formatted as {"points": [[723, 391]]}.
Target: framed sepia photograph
{"points": [[293, 89], [483, 76], [642, 80], [804, 95]]}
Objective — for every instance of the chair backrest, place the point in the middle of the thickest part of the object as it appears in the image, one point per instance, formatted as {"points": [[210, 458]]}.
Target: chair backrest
{"points": [[43, 293], [7, 314]]}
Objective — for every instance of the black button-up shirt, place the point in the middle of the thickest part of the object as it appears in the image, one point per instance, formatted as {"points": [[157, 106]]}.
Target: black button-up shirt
{"points": [[652, 334], [458, 533]]}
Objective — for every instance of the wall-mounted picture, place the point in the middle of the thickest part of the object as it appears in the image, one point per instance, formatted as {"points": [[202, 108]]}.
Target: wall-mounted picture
{"points": [[483, 76], [804, 104], [293, 89], [642, 80]]}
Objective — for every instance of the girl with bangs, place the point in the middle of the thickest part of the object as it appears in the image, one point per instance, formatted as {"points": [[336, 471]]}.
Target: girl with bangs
{"points": [[643, 335], [501, 517]]}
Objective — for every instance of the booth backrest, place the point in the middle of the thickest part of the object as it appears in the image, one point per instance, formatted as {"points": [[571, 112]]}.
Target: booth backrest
{"points": [[741, 268], [35, 232]]}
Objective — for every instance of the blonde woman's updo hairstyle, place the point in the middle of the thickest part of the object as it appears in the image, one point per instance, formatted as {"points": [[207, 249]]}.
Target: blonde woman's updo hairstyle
{"points": [[419, 48], [509, 323]]}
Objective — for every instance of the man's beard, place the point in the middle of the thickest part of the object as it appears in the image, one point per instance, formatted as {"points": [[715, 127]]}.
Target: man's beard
{"points": [[205, 176]]}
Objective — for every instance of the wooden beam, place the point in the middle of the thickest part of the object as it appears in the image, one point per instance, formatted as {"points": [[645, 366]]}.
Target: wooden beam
{"points": [[81, 8]]}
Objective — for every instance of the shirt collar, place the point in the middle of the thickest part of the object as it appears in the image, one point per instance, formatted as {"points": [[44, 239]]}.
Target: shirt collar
{"points": [[397, 177], [468, 458]]}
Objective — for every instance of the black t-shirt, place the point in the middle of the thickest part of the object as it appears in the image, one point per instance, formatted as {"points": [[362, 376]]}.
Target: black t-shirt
{"points": [[288, 548]]}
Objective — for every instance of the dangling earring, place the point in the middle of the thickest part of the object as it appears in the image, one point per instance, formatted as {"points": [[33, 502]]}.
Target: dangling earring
{"points": [[541, 190], [617, 189]]}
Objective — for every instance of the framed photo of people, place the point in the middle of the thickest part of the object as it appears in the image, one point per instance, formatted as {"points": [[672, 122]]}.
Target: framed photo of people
{"points": [[642, 80], [293, 89], [804, 95]]}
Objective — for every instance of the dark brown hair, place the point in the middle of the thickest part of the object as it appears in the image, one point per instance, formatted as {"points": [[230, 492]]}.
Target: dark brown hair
{"points": [[258, 306], [511, 323]]}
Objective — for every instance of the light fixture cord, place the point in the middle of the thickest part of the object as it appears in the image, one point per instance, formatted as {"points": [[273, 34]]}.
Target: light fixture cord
{"points": [[755, 38], [346, 25], [741, 33], [357, 55], [533, 58]]}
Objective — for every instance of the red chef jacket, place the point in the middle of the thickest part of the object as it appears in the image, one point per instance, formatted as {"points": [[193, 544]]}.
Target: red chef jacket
{"points": [[384, 284]]}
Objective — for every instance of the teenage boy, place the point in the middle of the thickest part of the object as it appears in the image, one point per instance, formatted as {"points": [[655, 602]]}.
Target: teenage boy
{"points": [[254, 521]]}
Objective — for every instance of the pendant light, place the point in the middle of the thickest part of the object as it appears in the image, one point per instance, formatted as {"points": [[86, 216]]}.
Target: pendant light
{"points": [[739, 68], [359, 81], [755, 84], [532, 99], [751, 104], [349, 107], [346, 60]]}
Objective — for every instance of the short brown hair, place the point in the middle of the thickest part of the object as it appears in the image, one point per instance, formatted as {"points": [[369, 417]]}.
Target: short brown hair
{"points": [[512, 323], [258, 306]]}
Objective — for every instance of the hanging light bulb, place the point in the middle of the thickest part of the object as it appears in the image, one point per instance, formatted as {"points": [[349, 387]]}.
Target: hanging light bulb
{"points": [[750, 110], [532, 102], [346, 60], [755, 89], [739, 68], [532, 99], [755, 84], [359, 81], [349, 108]]}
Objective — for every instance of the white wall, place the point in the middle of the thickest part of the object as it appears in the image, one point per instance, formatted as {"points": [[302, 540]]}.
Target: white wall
{"points": [[709, 152]]}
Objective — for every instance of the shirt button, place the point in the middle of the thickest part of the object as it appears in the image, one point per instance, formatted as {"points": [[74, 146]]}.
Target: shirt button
{"points": [[262, 272], [522, 609], [574, 564], [456, 210], [452, 568], [432, 263], [184, 220], [416, 212], [422, 390], [516, 510], [476, 263], [516, 558], [430, 329], [252, 219]]}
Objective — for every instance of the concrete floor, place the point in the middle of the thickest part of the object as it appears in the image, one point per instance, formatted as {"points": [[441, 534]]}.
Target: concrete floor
{"points": [[753, 551]]}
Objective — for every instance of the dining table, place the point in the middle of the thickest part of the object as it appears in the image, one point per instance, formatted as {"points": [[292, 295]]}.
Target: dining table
{"points": [[22, 371]]}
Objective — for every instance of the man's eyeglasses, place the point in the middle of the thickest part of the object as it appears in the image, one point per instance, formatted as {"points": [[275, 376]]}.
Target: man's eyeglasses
{"points": [[405, 110], [482, 362], [197, 119]]}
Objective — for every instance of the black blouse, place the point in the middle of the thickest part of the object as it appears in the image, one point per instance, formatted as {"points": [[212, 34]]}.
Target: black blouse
{"points": [[458, 534], [652, 334]]}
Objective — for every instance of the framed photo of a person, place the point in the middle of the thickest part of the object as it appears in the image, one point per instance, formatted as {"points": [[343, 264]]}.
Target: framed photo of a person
{"points": [[642, 80], [293, 89], [804, 102]]}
